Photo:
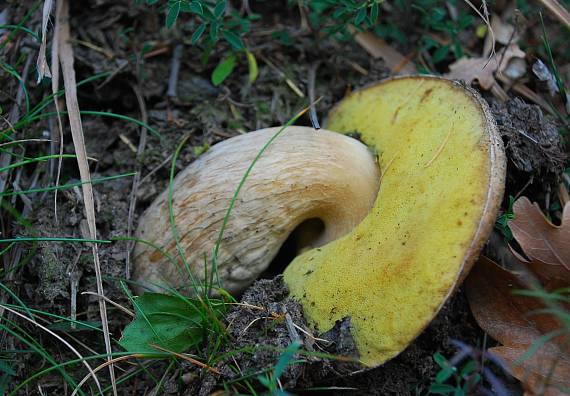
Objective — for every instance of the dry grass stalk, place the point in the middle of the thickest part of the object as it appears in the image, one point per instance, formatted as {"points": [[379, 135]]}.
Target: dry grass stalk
{"points": [[66, 58]]}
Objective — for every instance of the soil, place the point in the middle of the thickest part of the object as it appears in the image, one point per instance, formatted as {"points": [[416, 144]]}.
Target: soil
{"points": [[138, 54]]}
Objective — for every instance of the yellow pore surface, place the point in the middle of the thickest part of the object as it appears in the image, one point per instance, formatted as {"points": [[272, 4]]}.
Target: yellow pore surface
{"points": [[393, 271]]}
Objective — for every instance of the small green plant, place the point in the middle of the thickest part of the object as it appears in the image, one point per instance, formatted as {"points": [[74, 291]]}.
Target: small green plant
{"points": [[502, 223], [169, 322], [214, 21], [435, 17], [271, 380], [464, 379], [465, 373], [334, 16]]}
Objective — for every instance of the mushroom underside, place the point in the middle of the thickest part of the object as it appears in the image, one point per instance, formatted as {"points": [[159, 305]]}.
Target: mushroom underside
{"points": [[443, 168]]}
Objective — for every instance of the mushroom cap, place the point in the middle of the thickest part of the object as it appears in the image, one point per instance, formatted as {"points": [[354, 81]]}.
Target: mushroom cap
{"points": [[442, 180], [304, 174]]}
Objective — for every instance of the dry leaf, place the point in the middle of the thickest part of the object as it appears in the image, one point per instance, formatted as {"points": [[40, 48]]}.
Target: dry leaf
{"points": [[540, 239], [515, 321], [535, 369], [378, 48], [483, 69], [42, 66], [503, 33], [503, 315], [66, 58]]}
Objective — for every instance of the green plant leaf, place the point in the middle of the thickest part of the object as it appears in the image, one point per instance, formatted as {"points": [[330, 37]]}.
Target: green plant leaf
{"points": [[360, 16], [252, 65], [444, 374], [170, 322], [172, 15], [441, 389], [285, 359], [468, 369], [223, 70], [373, 13], [196, 7], [198, 33], [214, 30], [219, 9], [5, 368], [233, 39], [440, 360], [440, 53]]}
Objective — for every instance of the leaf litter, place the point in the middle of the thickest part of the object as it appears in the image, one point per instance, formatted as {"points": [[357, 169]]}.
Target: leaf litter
{"points": [[513, 306]]}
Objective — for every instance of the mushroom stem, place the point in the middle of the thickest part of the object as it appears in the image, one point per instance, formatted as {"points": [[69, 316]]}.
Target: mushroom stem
{"points": [[303, 175]]}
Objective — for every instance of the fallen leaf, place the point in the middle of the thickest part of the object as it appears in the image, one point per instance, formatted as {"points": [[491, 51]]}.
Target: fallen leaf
{"points": [[520, 323], [539, 238], [42, 66], [533, 371], [483, 69], [378, 48], [502, 314], [503, 33]]}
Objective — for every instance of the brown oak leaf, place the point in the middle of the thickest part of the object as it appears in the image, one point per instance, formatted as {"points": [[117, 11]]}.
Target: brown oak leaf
{"points": [[539, 238], [518, 322], [483, 69]]}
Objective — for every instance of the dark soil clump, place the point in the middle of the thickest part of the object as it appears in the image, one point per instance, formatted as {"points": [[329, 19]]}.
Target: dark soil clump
{"points": [[533, 144], [264, 324]]}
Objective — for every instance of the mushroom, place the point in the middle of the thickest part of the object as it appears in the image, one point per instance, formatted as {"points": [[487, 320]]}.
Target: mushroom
{"points": [[303, 175], [442, 168]]}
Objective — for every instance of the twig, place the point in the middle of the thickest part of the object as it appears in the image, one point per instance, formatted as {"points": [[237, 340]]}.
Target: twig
{"points": [[558, 11], [67, 58], [485, 17], [441, 147], [103, 365], [157, 168], [281, 74], [56, 138], [174, 71], [187, 358], [136, 178], [42, 66], [313, 110], [293, 334], [113, 303]]}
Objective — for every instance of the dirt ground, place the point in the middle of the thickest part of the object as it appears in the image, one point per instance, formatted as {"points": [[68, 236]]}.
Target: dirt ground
{"points": [[130, 42]]}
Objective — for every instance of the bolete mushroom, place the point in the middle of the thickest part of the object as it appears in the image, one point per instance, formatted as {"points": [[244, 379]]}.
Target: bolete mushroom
{"points": [[442, 170], [303, 175]]}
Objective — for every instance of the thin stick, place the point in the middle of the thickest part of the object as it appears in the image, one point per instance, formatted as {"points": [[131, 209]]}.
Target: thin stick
{"points": [[558, 11], [188, 359], [136, 178], [113, 303], [174, 71], [67, 59], [313, 110], [102, 366]]}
